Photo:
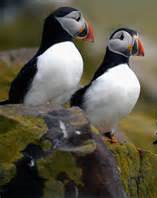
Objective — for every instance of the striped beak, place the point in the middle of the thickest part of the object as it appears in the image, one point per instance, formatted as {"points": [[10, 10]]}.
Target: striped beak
{"points": [[137, 48], [87, 33]]}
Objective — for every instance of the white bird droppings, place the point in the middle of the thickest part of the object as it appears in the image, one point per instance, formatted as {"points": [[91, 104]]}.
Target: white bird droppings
{"points": [[78, 132], [63, 128], [32, 163]]}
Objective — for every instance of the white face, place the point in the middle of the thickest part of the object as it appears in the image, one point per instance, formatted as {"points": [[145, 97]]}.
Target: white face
{"points": [[121, 42], [74, 23]]}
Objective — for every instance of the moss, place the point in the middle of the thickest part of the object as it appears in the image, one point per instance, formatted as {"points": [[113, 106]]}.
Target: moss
{"points": [[7, 172], [46, 145], [128, 161], [6, 124], [57, 164], [54, 189], [87, 148], [148, 176], [94, 130], [137, 170], [16, 132]]}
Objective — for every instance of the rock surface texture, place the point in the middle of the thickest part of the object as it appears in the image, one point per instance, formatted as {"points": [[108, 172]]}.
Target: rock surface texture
{"points": [[51, 151]]}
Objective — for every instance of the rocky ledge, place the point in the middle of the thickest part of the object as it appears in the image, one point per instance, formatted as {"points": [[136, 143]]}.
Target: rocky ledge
{"points": [[50, 151]]}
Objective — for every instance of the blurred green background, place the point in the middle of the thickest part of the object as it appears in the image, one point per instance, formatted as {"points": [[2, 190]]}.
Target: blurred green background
{"points": [[21, 27]]}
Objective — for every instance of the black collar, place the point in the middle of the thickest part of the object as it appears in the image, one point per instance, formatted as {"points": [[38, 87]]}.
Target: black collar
{"points": [[52, 33], [111, 59]]}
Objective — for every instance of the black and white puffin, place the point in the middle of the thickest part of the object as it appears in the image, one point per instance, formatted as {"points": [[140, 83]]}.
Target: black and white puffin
{"points": [[114, 89], [54, 73]]}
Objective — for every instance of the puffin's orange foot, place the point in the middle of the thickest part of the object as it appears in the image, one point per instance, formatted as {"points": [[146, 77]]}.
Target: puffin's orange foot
{"points": [[110, 137], [112, 140]]}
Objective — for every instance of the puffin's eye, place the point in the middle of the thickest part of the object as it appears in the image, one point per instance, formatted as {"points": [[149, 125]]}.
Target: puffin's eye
{"points": [[121, 36], [78, 19]]}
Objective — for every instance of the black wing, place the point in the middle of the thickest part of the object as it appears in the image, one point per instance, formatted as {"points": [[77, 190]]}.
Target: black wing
{"points": [[22, 82], [78, 97]]}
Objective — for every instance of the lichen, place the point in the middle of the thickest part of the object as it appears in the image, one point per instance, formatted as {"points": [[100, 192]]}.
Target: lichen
{"points": [[16, 132], [54, 189], [148, 175], [7, 172], [137, 170], [127, 158], [86, 148], [46, 145], [49, 168], [94, 130]]}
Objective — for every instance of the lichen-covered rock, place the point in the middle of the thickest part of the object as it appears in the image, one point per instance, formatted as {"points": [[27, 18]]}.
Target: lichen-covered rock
{"points": [[50, 151], [50, 147], [53, 167], [137, 170], [16, 132]]}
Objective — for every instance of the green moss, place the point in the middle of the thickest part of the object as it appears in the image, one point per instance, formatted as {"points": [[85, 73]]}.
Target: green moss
{"points": [[137, 170], [46, 145], [7, 172], [148, 176], [16, 132], [127, 158], [94, 130], [51, 167], [54, 189], [6, 124], [87, 148]]}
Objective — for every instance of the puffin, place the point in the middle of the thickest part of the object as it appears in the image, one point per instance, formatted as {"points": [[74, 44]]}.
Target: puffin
{"points": [[114, 89], [54, 72]]}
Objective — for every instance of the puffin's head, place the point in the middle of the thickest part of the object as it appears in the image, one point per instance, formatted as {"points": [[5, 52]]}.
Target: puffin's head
{"points": [[73, 22], [126, 42]]}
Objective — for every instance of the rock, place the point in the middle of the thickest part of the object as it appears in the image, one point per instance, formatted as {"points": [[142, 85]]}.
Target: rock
{"points": [[50, 151], [137, 170], [16, 132], [55, 150]]}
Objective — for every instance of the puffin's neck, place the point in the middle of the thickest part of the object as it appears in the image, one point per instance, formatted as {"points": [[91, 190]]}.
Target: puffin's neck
{"points": [[52, 33], [111, 60]]}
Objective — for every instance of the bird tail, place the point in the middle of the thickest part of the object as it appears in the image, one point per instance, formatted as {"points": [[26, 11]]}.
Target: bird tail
{"points": [[5, 102]]}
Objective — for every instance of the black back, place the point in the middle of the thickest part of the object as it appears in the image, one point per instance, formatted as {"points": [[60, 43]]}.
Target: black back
{"points": [[111, 59], [78, 97], [53, 32], [22, 82]]}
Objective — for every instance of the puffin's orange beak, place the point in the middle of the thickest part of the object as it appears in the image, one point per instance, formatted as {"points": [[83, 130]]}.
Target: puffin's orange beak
{"points": [[90, 35], [137, 48], [140, 48], [86, 33]]}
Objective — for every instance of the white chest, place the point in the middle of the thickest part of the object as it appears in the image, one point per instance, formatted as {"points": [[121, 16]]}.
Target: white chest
{"points": [[59, 71], [112, 96]]}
